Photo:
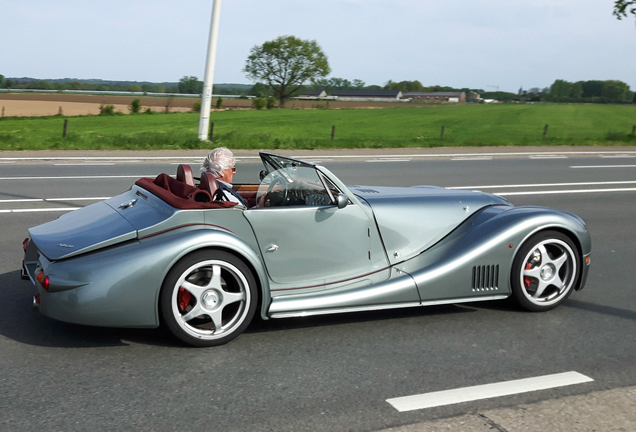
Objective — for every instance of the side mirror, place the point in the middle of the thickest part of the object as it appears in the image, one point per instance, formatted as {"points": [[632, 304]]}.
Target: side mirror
{"points": [[342, 201], [263, 174]]}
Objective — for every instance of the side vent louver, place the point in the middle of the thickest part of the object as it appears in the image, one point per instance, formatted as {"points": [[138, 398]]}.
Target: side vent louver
{"points": [[485, 278]]}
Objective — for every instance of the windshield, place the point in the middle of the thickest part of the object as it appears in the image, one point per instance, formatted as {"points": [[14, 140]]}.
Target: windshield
{"points": [[293, 185]]}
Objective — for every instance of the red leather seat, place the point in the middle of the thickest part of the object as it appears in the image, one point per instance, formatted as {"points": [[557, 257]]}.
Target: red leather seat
{"points": [[184, 174], [208, 183]]}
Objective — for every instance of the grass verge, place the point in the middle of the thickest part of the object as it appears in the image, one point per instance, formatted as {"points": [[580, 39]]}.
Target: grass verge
{"points": [[465, 125]]}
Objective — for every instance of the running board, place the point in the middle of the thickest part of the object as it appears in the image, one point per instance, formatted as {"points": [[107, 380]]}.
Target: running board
{"points": [[384, 307]]}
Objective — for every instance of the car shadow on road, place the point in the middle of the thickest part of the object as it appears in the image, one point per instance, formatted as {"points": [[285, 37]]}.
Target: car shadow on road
{"points": [[601, 309], [272, 325], [21, 323]]}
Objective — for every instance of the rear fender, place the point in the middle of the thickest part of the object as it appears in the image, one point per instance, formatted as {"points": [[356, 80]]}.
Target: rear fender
{"points": [[121, 284]]}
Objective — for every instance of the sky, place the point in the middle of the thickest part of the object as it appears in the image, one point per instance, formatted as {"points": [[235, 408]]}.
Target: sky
{"points": [[486, 44]]}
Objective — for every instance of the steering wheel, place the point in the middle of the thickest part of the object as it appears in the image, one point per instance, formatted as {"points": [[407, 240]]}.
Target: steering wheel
{"points": [[278, 197]]}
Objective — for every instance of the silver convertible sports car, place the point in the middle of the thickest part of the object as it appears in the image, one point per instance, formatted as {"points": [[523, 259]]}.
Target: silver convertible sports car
{"points": [[171, 252]]}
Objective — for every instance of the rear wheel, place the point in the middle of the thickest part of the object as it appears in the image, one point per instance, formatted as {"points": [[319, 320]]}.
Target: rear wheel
{"points": [[545, 271], [208, 298]]}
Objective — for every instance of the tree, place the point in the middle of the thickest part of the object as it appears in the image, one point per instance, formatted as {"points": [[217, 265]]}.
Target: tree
{"points": [[1, 81], [286, 63], [622, 8], [190, 85]]}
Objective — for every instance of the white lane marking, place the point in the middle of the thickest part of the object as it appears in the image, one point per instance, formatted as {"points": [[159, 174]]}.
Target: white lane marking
{"points": [[603, 166], [542, 185], [548, 157], [78, 199], [441, 155], [620, 156], [487, 391], [572, 191], [388, 160], [79, 177], [53, 199], [85, 164], [7, 162], [53, 209], [472, 158]]}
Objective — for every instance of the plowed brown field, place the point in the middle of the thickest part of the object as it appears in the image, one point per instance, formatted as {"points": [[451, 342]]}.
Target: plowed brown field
{"points": [[47, 104]]}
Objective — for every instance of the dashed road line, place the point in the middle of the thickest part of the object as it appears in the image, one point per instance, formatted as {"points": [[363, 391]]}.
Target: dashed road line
{"points": [[602, 166], [472, 158], [543, 185], [557, 192], [78, 177], [52, 209], [487, 391]]}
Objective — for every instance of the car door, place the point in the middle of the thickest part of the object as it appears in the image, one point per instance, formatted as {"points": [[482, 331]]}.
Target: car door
{"points": [[305, 239]]}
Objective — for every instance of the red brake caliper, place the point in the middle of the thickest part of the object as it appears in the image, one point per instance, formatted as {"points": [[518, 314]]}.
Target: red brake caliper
{"points": [[183, 298], [526, 279]]}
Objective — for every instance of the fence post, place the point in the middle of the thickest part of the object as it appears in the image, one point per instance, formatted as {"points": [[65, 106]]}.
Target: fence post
{"points": [[545, 132], [443, 130], [333, 132], [60, 112], [2, 111], [65, 126], [211, 134]]}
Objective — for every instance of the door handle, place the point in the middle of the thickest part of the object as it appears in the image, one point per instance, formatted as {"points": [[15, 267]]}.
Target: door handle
{"points": [[272, 248]]}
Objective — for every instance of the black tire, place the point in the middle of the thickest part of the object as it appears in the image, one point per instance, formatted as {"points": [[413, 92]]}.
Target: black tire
{"points": [[545, 271], [208, 298]]}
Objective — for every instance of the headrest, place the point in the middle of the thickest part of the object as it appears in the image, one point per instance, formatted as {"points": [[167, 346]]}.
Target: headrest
{"points": [[209, 183], [184, 174]]}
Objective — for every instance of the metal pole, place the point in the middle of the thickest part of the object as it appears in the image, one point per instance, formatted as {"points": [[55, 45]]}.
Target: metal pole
{"points": [[206, 97]]}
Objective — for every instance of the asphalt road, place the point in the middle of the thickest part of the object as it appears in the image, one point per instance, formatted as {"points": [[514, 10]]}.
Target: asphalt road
{"points": [[327, 373]]}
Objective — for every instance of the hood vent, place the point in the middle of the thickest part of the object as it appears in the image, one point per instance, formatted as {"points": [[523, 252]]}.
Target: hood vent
{"points": [[485, 278]]}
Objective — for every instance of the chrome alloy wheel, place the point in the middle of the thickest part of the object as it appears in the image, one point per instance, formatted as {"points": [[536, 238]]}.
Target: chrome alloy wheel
{"points": [[546, 271], [208, 298], [217, 299]]}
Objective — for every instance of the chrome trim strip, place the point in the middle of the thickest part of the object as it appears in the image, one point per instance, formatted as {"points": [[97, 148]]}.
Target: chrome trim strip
{"points": [[343, 310], [464, 300], [384, 307]]}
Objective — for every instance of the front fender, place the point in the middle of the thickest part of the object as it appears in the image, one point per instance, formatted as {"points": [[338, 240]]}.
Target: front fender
{"points": [[488, 240]]}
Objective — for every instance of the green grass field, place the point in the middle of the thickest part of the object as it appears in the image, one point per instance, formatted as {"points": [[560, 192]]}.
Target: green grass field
{"points": [[465, 125]]}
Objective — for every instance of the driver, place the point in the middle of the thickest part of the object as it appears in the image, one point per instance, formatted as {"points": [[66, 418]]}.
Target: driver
{"points": [[221, 164]]}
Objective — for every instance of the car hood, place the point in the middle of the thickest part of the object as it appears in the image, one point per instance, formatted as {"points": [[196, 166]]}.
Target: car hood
{"points": [[413, 219]]}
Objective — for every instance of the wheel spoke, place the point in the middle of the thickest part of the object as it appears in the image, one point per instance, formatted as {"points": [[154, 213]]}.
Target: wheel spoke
{"points": [[216, 317], [540, 288], [558, 262], [195, 312], [533, 272], [196, 290], [230, 297], [215, 280], [545, 257]]}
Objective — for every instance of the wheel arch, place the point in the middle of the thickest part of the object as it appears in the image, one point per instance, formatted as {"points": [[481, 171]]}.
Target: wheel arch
{"points": [[222, 241], [570, 234]]}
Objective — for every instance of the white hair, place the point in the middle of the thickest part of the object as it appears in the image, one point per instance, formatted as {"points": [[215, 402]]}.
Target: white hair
{"points": [[217, 161]]}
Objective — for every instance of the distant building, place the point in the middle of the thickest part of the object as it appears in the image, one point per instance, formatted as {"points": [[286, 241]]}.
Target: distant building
{"points": [[367, 95], [436, 96], [312, 94]]}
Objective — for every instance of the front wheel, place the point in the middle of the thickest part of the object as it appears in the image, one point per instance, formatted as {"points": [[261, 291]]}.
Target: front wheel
{"points": [[545, 271], [208, 298]]}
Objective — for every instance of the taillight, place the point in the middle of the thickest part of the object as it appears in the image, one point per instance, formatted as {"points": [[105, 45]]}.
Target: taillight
{"points": [[25, 243], [43, 280]]}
